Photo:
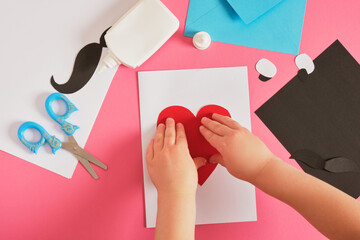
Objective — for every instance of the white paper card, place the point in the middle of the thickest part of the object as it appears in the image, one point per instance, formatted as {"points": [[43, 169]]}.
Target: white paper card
{"points": [[41, 39], [222, 198]]}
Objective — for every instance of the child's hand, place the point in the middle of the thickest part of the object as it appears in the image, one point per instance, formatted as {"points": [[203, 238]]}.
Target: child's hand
{"points": [[169, 163], [242, 153]]}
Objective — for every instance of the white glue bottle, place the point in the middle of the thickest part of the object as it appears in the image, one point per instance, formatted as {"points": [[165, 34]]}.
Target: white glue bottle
{"points": [[139, 34]]}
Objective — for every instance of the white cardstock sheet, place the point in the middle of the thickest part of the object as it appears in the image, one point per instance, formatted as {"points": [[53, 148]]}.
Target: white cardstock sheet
{"points": [[41, 39], [222, 198]]}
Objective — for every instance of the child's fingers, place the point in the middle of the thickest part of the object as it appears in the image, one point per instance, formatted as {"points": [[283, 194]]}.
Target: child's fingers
{"points": [[150, 151], [211, 137], [180, 134], [170, 133], [226, 121], [199, 162], [217, 158], [215, 126], [159, 138]]}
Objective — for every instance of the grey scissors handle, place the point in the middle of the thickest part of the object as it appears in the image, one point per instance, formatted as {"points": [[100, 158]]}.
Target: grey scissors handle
{"points": [[83, 156]]}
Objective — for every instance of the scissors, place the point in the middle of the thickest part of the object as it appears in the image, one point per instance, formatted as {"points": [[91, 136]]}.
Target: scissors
{"points": [[71, 145]]}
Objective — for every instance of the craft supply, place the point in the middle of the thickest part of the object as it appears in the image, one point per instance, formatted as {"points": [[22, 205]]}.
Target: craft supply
{"points": [[334, 164], [139, 34], [320, 114], [277, 25], [266, 69], [197, 144], [68, 128], [71, 145], [193, 89], [54, 142], [202, 40], [85, 65], [303, 61]]}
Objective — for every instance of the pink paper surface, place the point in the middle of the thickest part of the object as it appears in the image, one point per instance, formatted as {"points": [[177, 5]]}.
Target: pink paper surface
{"points": [[38, 204]]}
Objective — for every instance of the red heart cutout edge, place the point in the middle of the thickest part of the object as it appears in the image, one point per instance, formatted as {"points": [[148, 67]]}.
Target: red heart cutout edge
{"points": [[197, 144]]}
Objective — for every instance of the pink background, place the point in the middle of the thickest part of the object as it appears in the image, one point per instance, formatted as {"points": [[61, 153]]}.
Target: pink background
{"points": [[38, 204]]}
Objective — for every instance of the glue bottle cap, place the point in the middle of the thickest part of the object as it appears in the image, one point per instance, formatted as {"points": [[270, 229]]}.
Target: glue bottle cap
{"points": [[202, 40], [109, 61]]}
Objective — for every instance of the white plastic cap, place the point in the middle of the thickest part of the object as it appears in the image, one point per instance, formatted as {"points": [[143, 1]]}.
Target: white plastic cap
{"points": [[202, 40], [109, 61]]}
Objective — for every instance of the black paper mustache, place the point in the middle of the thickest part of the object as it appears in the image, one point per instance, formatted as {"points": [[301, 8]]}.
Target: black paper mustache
{"points": [[334, 165], [85, 65]]}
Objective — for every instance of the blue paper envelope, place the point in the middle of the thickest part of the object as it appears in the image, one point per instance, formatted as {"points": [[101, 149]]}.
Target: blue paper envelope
{"points": [[278, 29], [251, 10]]}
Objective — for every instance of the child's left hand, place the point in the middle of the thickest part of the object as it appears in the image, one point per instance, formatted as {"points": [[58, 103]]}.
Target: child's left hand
{"points": [[170, 166]]}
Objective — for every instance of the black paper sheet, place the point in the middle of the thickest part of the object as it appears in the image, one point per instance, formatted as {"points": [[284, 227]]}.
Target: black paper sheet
{"points": [[320, 113]]}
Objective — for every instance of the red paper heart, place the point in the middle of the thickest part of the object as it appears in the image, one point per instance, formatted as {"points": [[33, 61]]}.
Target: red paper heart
{"points": [[198, 146]]}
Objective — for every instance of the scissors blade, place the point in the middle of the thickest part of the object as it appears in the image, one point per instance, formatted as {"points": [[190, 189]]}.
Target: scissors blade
{"points": [[74, 148], [88, 167], [83, 153]]}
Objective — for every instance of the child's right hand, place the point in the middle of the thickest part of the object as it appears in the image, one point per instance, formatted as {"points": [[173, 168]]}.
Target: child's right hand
{"points": [[246, 157], [242, 153]]}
